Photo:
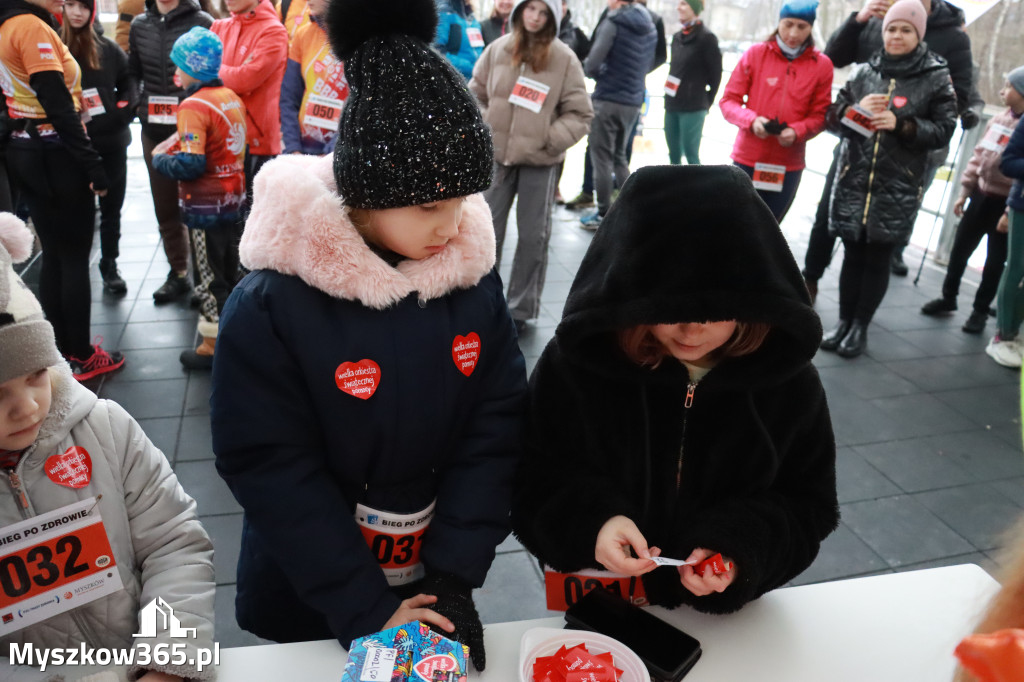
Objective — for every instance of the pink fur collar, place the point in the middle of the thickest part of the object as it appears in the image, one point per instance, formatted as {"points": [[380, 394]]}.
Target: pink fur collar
{"points": [[299, 226]]}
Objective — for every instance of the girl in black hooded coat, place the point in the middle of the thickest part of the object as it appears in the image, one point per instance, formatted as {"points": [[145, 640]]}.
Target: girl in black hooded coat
{"points": [[676, 411]]}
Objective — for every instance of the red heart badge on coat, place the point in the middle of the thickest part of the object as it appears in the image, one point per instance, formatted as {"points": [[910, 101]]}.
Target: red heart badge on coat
{"points": [[71, 469], [899, 101], [358, 379], [466, 352], [437, 663]]}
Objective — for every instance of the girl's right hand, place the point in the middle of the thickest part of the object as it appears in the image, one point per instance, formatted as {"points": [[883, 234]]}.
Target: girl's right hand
{"points": [[875, 103], [414, 608], [1004, 224], [757, 127], [614, 540], [958, 207]]}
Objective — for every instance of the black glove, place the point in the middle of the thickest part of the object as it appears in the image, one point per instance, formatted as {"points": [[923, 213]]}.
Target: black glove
{"points": [[969, 119], [455, 602]]}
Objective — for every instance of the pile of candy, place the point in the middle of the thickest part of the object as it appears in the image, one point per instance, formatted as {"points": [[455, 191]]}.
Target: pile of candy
{"points": [[575, 664]]}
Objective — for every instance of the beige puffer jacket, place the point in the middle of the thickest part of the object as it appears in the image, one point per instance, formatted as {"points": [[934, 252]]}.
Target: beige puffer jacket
{"points": [[522, 137], [159, 545]]}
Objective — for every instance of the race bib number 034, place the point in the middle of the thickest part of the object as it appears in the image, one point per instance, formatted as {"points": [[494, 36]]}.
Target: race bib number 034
{"points": [[565, 589], [53, 563], [395, 540]]}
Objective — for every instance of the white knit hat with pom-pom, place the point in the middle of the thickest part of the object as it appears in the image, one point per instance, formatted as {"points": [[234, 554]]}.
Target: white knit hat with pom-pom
{"points": [[27, 343]]}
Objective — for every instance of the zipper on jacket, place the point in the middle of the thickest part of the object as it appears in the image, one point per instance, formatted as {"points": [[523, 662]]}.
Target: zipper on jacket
{"points": [[691, 388], [874, 158], [19, 493]]}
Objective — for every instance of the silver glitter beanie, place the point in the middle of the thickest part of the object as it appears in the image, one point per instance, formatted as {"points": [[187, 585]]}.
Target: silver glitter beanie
{"points": [[26, 339], [411, 132]]}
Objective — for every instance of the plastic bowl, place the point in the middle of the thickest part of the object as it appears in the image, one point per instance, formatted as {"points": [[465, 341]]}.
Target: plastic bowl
{"points": [[538, 642]]}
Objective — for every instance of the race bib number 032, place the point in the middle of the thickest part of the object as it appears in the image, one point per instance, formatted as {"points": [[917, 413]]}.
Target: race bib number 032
{"points": [[565, 589], [53, 563]]}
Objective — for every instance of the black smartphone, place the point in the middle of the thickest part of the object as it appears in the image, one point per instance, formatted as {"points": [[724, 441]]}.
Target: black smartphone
{"points": [[667, 651]]}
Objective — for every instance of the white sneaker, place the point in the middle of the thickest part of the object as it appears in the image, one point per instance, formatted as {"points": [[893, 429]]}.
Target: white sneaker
{"points": [[1006, 353]]}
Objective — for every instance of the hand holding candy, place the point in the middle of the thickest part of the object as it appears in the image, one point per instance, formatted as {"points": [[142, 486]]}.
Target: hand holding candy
{"points": [[712, 574], [614, 540]]}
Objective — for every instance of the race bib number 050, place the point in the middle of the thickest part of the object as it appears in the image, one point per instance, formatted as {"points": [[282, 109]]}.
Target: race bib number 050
{"points": [[53, 563]]}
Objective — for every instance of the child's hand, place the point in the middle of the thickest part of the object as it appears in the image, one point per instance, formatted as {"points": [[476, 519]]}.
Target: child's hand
{"points": [[958, 207], [165, 146], [614, 539], [414, 608], [154, 676], [874, 103], [703, 585], [1004, 224]]}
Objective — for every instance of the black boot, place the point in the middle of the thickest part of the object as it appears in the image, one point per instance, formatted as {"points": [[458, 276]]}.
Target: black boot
{"points": [[832, 340], [112, 280], [898, 267], [855, 342]]}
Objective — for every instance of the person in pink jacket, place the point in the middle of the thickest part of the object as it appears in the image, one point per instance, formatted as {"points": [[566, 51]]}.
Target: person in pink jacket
{"points": [[255, 56], [788, 86]]}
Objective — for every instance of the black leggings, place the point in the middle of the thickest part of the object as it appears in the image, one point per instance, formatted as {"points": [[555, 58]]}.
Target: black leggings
{"points": [[980, 219], [56, 189], [115, 163], [863, 280]]}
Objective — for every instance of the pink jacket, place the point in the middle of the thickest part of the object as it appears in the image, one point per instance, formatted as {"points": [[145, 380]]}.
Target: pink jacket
{"points": [[982, 170], [797, 92], [255, 56]]}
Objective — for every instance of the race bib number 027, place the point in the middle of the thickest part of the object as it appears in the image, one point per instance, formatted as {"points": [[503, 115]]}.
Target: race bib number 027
{"points": [[53, 563]]}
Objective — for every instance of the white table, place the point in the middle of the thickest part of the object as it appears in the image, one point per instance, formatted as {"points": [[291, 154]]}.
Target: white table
{"points": [[900, 627]]}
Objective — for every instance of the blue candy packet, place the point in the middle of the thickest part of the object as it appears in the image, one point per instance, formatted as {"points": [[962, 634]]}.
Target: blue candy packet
{"points": [[407, 653]]}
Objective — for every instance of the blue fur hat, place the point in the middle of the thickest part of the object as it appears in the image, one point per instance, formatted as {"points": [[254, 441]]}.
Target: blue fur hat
{"points": [[198, 53], [800, 9]]}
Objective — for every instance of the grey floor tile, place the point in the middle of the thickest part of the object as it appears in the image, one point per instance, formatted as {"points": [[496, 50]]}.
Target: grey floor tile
{"points": [[144, 399], [195, 441], [111, 311], [147, 311], [225, 629], [197, 397], [512, 591], [226, 533], [915, 464], [136, 254], [981, 453], [909, 318], [163, 334], [885, 346], [163, 431], [145, 364], [842, 555], [948, 373], [857, 479], [978, 512], [978, 558], [867, 379], [201, 481], [1012, 489], [107, 335], [903, 531], [921, 414], [937, 342], [987, 405], [1010, 434]]}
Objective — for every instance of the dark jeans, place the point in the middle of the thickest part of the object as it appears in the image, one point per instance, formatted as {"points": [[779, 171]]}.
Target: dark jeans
{"points": [[863, 279], [63, 210], [165, 205], [588, 168], [778, 202], [820, 244], [979, 219], [115, 163]]}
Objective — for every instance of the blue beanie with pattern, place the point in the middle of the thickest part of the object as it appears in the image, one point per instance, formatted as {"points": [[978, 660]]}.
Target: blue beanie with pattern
{"points": [[198, 53], [806, 10]]}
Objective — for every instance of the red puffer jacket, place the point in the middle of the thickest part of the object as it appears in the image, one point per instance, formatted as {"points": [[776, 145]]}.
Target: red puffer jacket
{"points": [[255, 55], [797, 92]]}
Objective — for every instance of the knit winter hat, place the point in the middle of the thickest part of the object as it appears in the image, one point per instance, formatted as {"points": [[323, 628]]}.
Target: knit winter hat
{"points": [[807, 10], [27, 343], [910, 11], [198, 53], [696, 5], [411, 132], [1016, 79]]}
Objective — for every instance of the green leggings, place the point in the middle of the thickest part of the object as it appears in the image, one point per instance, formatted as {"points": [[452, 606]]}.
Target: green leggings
{"points": [[1010, 299], [682, 132]]}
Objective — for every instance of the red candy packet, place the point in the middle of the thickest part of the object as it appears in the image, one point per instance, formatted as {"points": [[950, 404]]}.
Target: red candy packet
{"points": [[717, 563], [575, 664]]}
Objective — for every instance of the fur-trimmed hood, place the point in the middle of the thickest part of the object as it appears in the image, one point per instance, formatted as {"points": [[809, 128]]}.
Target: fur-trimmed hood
{"points": [[299, 226]]}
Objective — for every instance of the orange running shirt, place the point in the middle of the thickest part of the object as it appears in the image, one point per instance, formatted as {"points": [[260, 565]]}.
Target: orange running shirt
{"points": [[324, 78], [212, 122], [28, 46]]}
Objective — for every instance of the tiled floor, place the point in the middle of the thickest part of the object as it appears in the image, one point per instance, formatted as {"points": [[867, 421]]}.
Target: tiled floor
{"points": [[928, 427]]}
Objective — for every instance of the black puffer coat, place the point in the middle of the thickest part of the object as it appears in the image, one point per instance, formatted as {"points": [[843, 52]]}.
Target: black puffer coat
{"points": [[854, 43], [151, 39], [879, 182], [605, 436]]}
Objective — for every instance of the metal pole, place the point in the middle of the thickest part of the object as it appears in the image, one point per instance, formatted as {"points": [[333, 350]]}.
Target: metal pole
{"points": [[942, 200]]}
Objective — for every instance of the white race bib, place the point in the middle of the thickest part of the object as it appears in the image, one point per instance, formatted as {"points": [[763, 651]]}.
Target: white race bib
{"points": [[92, 102], [769, 177], [476, 38], [395, 540], [163, 110], [529, 94], [858, 119], [671, 86], [996, 138], [323, 112]]}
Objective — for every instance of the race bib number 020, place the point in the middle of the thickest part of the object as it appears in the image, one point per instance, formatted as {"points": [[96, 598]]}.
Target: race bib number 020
{"points": [[395, 540], [53, 563], [529, 94], [565, 589]]}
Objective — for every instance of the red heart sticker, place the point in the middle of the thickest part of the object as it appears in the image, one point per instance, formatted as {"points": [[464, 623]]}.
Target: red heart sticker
{"points": [[358, 379], [899, 101], [436, 663], [466, 352], [72, 469]]}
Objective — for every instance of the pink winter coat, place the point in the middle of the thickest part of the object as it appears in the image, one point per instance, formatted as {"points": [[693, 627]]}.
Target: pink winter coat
{"points": [[255, 55], [797, 92], [982, 170]]}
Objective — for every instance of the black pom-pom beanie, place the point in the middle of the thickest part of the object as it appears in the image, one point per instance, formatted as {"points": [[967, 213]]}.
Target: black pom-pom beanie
{"points": [[411, 132]]}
